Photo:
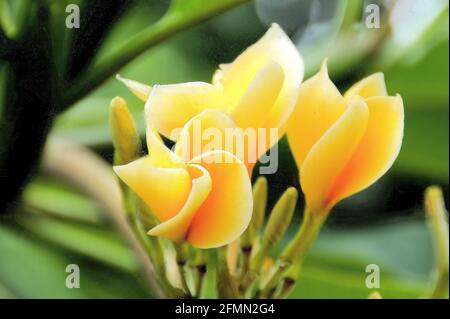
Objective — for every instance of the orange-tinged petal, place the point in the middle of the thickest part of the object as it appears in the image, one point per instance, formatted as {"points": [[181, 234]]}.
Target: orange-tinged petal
{"points": [[140, 90], [255, 105], [319, 106], [373, 85], [164, 190], [227, 211], [328, 157], [176, 227], [276, 46], [204, 132], [378, 148], [169, 107]]}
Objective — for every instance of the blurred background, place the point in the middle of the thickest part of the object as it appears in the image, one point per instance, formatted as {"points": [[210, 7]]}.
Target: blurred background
{"points": [[55, 224]]}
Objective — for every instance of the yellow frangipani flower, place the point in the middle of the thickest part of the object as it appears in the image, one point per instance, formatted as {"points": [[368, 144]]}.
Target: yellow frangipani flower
{"points": [[343, 144], [205, 202], [257, 90]]}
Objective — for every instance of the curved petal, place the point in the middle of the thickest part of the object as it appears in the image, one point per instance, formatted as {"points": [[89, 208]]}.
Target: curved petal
{"points": [[276, 46], [377, 150], [159, 155], [328, 157], [226, 212], [169, 107], [373, 85], [176, 228], [164, 190], [204, 132], [319, 106], [255, 105], [140, 90]]}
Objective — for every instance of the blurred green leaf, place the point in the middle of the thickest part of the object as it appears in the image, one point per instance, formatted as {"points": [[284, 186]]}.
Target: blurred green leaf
{"points": [[55, 199], [90, 241]]}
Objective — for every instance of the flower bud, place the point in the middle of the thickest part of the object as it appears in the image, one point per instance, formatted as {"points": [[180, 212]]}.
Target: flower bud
{"points": [[259, 209], [126, 140], [280, 217]]}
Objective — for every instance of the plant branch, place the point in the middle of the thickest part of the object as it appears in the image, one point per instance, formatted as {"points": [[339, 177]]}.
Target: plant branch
{"points": [[173, 22]]}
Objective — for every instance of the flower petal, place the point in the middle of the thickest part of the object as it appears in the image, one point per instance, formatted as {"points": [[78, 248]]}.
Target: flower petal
{"points": [[319, 106], [140, 90], [204, 132], [328, 157], [378, 148], [255, 105], [373, 85], [169, 107], [164, 190], [159, 155], [276, 46], [176, 228], [227, 211]]}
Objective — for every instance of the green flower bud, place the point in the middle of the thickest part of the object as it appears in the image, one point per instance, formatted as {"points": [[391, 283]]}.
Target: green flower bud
{"points": [[259, 209], [280, 218]]}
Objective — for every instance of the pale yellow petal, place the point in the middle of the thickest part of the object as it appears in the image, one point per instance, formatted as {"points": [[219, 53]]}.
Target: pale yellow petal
{"points": [[254, 107], [164, 190], [140, 90], [319, 106], [176, 227], [328, 157], [378, 148], [159, 155], [170, 107], [220, 73], [204, 132], [276, 46], [373, 85], [227, 211]]}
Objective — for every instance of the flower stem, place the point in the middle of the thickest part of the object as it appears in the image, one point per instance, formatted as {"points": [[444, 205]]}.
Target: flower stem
{"points": [[296, 250], [226, 284], [181, 258]]}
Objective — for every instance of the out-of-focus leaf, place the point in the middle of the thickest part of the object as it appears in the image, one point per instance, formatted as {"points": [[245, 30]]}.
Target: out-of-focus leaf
{"points": [[90, 241], [336, 266], [54, 199], [424, 89], [417, 26], [34, 269], [29, 270]]}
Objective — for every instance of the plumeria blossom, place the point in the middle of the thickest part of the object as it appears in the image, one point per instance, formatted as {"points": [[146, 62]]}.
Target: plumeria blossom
{"points": [[258, 90], [206, 203], [343, 144]]}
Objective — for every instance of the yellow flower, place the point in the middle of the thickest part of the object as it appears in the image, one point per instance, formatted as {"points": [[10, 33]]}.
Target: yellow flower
{"points": [[205, 202], [258, 90], [343, 144]]}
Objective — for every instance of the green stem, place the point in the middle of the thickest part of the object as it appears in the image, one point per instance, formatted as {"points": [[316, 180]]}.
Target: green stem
{"points": [[170, 25], [296, 249], [226, 284], [181, 258]]}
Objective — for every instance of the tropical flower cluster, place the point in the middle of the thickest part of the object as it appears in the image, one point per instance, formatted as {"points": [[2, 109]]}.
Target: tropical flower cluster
{"points": [[342, 143]]}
